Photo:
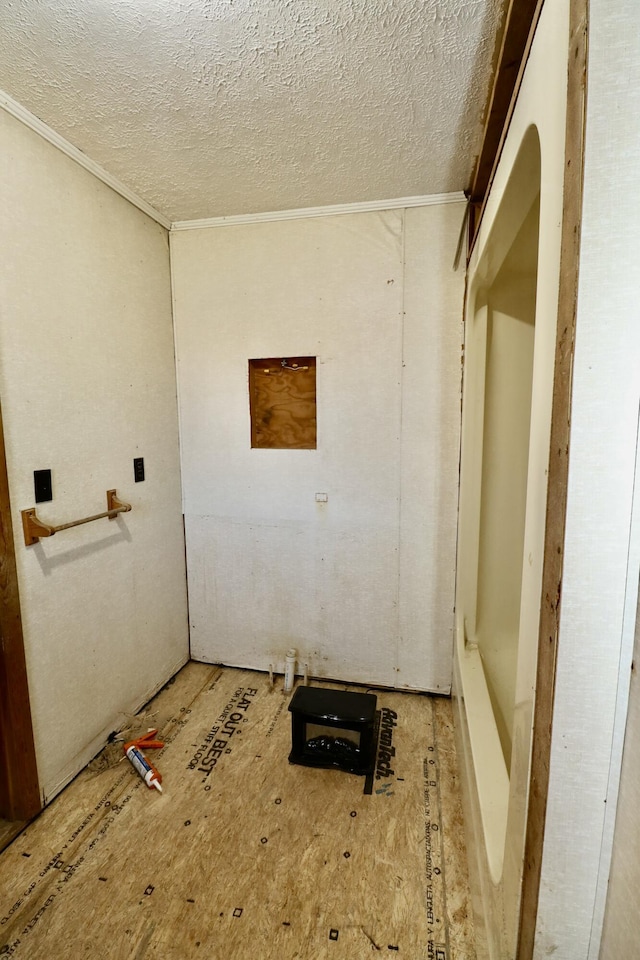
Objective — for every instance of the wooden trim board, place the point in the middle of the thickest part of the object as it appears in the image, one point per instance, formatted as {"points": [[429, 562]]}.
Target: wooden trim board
{"points": [[19, 790], [520, 23], [558, 476]]}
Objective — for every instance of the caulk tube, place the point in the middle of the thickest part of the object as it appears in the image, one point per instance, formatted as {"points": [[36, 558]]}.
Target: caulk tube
{"points": [[148, 773]]}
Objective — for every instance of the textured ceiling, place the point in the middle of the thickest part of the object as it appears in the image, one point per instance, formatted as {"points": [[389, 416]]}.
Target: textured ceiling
{"points": [[214, 107]]}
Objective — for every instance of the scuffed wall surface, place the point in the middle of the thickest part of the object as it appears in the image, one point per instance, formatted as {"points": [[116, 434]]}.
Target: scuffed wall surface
{"points": [[243, 106], [269, 567], [87, 383], [602, 548], [430, 441], [622, 917]]}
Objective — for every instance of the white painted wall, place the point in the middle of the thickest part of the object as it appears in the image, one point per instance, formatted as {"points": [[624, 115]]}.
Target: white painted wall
{"points": [[622, 917], [361, 585], [602, 542], [87, 382]]}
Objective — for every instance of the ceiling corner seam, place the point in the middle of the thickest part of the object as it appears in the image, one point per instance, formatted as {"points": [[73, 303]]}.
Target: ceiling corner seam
{"points": [[19, 112]]}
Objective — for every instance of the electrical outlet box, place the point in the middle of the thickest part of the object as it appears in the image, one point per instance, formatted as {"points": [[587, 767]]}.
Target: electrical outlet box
{"points": [[42, 485], [138, 469]]}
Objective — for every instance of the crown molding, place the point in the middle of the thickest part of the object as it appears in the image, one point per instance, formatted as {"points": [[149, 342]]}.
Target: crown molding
{"points": [[25, 116], [334, 210], [47, 133]]}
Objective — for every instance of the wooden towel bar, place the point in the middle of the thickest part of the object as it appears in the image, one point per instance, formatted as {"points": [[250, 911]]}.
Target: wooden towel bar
{"points": [[34, 528]]}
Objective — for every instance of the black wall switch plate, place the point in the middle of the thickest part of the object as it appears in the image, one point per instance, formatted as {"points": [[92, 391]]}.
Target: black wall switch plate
{"points": [[42, 485], [138, 469]]}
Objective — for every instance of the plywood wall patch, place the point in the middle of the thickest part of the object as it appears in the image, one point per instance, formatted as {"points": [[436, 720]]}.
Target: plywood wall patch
{"points": [[282, 400]]}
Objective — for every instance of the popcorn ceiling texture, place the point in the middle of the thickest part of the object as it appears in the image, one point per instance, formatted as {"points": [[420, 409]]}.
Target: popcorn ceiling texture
{"points": [[216, 107]]}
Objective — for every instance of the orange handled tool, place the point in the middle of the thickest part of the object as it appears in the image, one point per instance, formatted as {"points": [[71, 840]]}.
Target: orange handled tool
{"points": [[133, 750]]}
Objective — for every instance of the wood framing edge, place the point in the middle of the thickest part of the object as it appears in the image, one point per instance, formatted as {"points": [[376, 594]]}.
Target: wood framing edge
{"points": [[517, 36], [558, 475], [19, 788]]}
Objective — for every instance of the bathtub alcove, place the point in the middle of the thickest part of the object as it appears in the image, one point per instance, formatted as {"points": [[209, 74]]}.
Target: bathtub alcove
{"points": [[496, 640]]}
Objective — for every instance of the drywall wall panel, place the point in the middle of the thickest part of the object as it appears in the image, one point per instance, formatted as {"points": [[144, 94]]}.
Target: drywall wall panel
{"points": [[329, 288], [87, 380], [622, 917], [600, 578], [271, 566], [430, 437], [306, 591]]}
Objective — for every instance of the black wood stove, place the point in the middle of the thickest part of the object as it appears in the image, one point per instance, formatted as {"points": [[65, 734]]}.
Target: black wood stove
{"points": [[333, 728]]}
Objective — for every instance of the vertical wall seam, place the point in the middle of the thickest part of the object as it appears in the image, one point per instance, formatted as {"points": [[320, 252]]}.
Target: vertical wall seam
{"points": [[176, 365], [401, 441], [174, 327], [619, 727]]}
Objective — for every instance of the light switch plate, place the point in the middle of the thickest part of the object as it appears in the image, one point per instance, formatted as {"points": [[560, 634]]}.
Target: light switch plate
{"points": [[42, 486]]}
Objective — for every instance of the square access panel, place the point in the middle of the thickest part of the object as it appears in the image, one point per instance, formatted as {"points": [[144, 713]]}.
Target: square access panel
{"points": [[282, 400]]}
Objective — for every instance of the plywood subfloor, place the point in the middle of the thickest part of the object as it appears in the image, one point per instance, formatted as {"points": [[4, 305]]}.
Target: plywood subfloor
{"points": [[244, 856]]}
